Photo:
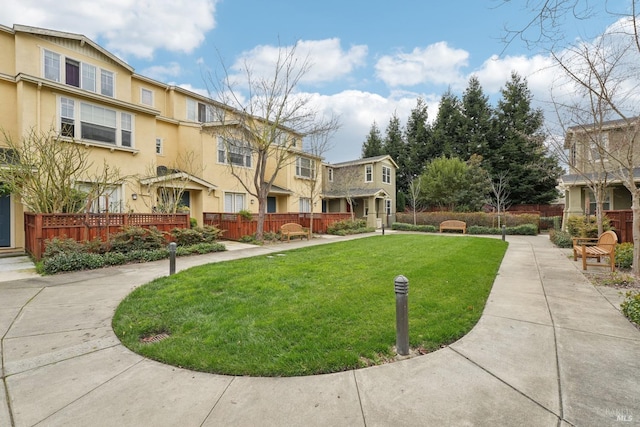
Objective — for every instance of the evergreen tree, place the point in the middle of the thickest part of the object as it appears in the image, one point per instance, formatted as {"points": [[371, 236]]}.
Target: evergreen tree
{"points": [[519, 150], [395, 147], [478, 121], [447, 139], [372, 146], [418, 139]]}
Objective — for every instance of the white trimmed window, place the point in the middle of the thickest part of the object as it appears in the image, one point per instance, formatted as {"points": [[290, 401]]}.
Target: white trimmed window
{"points": [[386, 174], [305, 168], [110, 201], [200, 112], [75, 73], [146, 96], [96, 123], [601, 146], [159, 146], [233, 202], [330, 174], [51, 66], [305, 204], [368, 173], [387, 206], [235, 153], [88, 79], [106, 83]]}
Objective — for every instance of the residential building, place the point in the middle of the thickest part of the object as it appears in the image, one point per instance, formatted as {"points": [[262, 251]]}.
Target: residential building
{"points": [[165, 138], [369, 183], [591, 149]]}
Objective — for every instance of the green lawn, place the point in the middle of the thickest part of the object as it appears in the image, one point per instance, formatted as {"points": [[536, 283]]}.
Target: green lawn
{"points": [[314, 310]]}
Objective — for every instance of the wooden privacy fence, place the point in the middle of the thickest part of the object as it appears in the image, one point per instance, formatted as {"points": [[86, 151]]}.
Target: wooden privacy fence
{"points": [[622, 223], [235, 225], [542, 210], [85, 227]]}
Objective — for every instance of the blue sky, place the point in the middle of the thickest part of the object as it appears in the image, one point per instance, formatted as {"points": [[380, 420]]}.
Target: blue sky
{"points": [[370, 58]]}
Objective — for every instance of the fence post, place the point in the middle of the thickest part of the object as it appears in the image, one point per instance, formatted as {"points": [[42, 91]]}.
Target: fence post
{"points": [[172, 258], [401, 286]]}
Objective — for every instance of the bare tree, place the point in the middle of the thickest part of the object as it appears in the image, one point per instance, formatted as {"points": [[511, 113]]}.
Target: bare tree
{"points": [[346, 183], [166, 184], [414, 195], [605, 73], [46, 171], [268, 122], [499, 198], [317, 146]]}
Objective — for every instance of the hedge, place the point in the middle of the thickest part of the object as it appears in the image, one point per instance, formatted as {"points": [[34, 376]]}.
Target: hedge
{"points": [[480, 219]]}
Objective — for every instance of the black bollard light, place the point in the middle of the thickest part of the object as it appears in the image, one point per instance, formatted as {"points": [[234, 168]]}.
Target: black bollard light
{"points": [[504, 232], [401, 286], [172, 258]]}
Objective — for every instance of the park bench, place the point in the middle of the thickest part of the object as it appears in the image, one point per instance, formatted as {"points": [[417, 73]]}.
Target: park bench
{"points": [[453, 225], [293, 229], [603, 246]]}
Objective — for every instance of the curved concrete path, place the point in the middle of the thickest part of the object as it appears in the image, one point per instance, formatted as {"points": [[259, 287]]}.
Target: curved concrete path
{"points": [[549, 350]]}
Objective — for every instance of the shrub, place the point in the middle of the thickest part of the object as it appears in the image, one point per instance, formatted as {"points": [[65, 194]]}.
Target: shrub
{"points": [[137, 239], [561, 239], [347, 226], [410, 227], [550, 222], [245, 214], [192, 236], [521, 230], [142, 255], [624, 255], [200, 248], [631, 306], [470, 218], [72, 262], [193, 223], [114, 258], [61, 245], [581, 226]]}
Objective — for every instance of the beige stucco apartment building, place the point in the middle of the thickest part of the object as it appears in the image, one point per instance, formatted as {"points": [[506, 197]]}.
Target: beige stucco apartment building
{"points": [[591, 148], [67, 84]]}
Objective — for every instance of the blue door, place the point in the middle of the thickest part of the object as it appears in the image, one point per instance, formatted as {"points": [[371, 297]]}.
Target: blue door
{"points": [[5, 221], [271, 205]]}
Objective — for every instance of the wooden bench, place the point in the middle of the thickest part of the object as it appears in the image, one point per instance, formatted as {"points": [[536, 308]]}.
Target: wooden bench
{"points": [[454, 225], [603, 246], [293, 229]]}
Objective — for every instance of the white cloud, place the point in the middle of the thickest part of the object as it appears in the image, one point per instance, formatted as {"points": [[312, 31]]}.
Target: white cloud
{"points": [[327, 60], [127, 27], [496, 71], [162, 72], [357, 111], [436, 64]]}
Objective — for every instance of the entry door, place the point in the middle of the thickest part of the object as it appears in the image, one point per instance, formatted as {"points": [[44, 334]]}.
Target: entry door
{"points": [[5, 221], [271, 205]]}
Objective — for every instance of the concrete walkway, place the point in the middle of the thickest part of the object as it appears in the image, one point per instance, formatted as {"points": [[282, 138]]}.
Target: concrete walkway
{"points": [[549, 350]]}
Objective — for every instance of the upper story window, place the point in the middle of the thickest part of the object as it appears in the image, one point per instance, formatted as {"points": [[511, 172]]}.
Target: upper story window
{"points": [[386, 174], [368, 173], [330, 174], [159, 145], [235, 153], [78, 74], [201, 112], [146, 97], [305, 168], [106, 83], [82, 120], [600, 146]]}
